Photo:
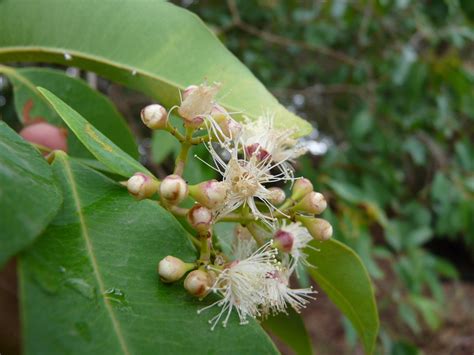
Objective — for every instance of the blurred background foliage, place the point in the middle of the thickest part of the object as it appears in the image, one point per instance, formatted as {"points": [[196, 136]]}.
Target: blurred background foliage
{"points": [[388, 86]]}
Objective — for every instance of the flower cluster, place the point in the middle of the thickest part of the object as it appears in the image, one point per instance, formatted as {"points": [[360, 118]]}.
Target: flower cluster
{"points": [[273, 229]]}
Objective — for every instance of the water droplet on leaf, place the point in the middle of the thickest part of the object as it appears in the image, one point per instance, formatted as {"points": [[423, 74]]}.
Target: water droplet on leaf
{"points": [[82, 287]]}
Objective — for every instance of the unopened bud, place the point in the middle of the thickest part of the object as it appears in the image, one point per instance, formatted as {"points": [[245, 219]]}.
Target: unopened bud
{"points": [[319, 229], [313, 203], [46, 134], [197, 102], [200, 218], [277, 196], [283, 240], [210, 193], [154, 116], [171, 269], [142, 186], [198, 283], [173, 189], [301, 188]]}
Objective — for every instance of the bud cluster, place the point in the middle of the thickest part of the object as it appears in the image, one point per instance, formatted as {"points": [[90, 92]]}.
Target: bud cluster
{"points": [[274, 228]]}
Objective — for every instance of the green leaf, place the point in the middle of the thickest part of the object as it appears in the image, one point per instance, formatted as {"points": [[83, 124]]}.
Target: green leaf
{"points": [[29, 197], [89, 285], [342, 275], [98, 109], [152, 46], [291, 330], [163, 145], [100, 146]]}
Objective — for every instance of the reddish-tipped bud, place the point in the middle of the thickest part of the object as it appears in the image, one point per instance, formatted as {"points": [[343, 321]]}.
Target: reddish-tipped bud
{"points": [[313, 203], [319, 229], [47, 135], [301, 188], [154, 116], [200, 218], [283, 240], [173, 189], [142, 186], [277, 196], [171, 269], [210, 193], [198, 283]]}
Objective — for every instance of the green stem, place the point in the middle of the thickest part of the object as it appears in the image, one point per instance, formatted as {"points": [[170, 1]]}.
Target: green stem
{"points": [[183, 154], [256, 233], [205, 256]]}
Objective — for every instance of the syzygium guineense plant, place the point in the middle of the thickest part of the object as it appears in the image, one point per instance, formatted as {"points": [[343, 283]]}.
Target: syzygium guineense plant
{"points": [[274, 229]]}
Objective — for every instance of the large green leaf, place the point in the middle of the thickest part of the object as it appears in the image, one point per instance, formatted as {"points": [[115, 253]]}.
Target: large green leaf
{"points": [[291, 330], [89, 284], [100, 146], [341, 274], [98, 109], [29, 197], [153, 46]]}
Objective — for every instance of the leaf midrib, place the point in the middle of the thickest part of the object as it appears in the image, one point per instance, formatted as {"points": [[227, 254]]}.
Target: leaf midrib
{"points": [[90, 252], [105, 61]]}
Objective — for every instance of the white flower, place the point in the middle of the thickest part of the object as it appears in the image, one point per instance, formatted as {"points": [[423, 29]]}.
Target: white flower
{"points": [[240, 285], [243, 244], [300, 239], [198, 101], [245, 180], [278, 294], [261, 138]]}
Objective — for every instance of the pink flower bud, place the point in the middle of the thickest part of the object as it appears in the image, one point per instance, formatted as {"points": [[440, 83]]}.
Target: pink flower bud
{"points": [[210, 193], [154, 116], [171, 269], [173, 189], [229, 128], [47, 135], [283, 240], [200, 218], [277, 196], [301, 188], [142, 186], [319, 229], [198, 283], [313, 203]]}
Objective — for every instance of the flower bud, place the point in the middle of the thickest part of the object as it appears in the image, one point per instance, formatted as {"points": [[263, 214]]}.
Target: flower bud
{"points": [[46, 134], [200, 218], [142, 186], [313, 203], [171, 269], [301, 187], [198, 283], [154, 116], [319, 229], [197, 102], [283, 240], [173, 189], [210, 193], [277, 196]]}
